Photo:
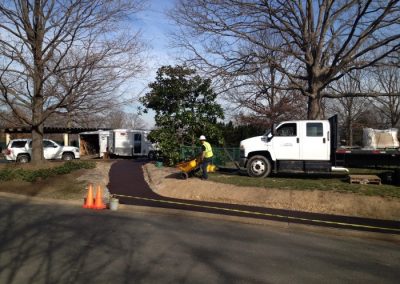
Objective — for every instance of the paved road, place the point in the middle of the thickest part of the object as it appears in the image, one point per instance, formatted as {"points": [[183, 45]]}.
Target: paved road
{"points": [[126, 178], [53, 243]]}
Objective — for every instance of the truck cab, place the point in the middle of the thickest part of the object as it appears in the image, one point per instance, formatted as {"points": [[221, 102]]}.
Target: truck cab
{"points": [[291, 146]]}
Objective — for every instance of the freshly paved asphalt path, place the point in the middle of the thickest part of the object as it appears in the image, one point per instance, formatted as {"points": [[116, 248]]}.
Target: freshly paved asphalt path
{"points": [[49, 241], [126, 178]]}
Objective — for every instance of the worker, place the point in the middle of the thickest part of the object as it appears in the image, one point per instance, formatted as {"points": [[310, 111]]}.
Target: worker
{"points": [[206, 156]]}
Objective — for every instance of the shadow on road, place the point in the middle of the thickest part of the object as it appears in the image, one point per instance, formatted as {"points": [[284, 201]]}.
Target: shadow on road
{"points": [[64, 244]]}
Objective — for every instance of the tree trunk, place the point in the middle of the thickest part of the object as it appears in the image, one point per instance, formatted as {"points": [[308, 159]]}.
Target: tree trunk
{"points": [[315, 109], [37, 123], [350, 132], [37, 143], [37, 76]]}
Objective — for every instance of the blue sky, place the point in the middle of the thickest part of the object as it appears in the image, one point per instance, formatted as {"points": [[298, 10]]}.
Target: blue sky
{"points": [[155, 27]]}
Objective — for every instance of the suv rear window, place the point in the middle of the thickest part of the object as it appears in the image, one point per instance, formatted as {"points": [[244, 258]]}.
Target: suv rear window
{"points": [[18, 144]]}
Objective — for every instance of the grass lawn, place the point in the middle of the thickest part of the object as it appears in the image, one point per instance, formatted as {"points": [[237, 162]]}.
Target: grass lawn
{"points": [[49, 179], [332, 182], [59, 187]]}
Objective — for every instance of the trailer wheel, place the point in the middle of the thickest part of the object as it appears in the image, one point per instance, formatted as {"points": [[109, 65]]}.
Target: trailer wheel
{"points": [[184, 175], [259, 166]]}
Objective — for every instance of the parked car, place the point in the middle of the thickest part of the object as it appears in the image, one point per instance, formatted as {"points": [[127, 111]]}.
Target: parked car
{"points": [[20, 150]]}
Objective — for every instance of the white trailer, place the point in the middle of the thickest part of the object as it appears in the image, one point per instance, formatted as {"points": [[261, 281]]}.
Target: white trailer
{"points": [[130, 143], [94, 142]]}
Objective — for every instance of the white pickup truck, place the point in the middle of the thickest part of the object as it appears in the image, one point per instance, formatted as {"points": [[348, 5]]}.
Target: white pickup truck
{"points": [[20, 150], [289, 146], [308, 146]]}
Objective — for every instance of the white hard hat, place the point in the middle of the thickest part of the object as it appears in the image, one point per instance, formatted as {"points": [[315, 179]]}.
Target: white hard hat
{"points": [[202, 137]]}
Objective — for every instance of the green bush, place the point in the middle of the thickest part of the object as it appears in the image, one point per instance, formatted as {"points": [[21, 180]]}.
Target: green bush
{"points": [[8, 174]]}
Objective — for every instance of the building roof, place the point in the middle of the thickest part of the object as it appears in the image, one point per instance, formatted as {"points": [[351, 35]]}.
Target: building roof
{"points": [[50, 130]]}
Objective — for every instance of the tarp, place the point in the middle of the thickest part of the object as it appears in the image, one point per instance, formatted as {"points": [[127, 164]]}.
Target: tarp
{"points": [[378, 139]]}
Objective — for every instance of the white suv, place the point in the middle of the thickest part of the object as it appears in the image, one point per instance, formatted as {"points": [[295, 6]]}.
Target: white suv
{"points": [[20, 150]]}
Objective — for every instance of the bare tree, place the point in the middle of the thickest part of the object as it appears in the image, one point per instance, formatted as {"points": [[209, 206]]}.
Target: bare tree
{"points": [[350, 109], [56, 55], [120, 119], [116, 119], [261, 99], [94, 84], [134, 121], [387, 80], [315, 42]]}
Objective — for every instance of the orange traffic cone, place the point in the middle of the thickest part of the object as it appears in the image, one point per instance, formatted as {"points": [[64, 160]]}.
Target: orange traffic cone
{"points": [[89, 198], [98, 203]]}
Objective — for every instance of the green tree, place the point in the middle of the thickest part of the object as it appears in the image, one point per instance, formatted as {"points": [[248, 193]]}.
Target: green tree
{"points": [[233, 134], [185, 106]]}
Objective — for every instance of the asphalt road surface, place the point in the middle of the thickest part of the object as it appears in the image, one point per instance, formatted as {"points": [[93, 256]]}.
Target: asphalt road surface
{"points": [[126, 179], [57, 243]]}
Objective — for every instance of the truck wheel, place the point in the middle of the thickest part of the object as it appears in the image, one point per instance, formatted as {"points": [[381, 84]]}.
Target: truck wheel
{"points": [[259, 166], [68, 156], [23, 159]]}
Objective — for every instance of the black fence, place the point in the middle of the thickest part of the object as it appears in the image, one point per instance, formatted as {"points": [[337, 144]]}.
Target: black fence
{"points": [[223, 157]]}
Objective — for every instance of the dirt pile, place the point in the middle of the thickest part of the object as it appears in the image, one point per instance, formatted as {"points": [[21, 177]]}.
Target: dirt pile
{"points": [[166, 182]]}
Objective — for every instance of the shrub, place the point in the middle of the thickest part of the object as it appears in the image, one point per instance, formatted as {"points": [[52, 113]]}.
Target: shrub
{"points": [[8, 174]]}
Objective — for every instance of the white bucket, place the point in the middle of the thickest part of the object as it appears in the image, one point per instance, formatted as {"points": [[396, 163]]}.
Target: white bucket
{"points": [[114, 204]]}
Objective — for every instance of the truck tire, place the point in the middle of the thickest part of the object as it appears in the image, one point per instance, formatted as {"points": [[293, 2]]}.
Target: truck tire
{"points": [[258, 166], [68, 156], [23, 159]]}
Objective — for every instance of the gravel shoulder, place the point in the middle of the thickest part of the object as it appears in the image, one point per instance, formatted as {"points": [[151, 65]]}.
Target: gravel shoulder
{"points": [[165, 182]]}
